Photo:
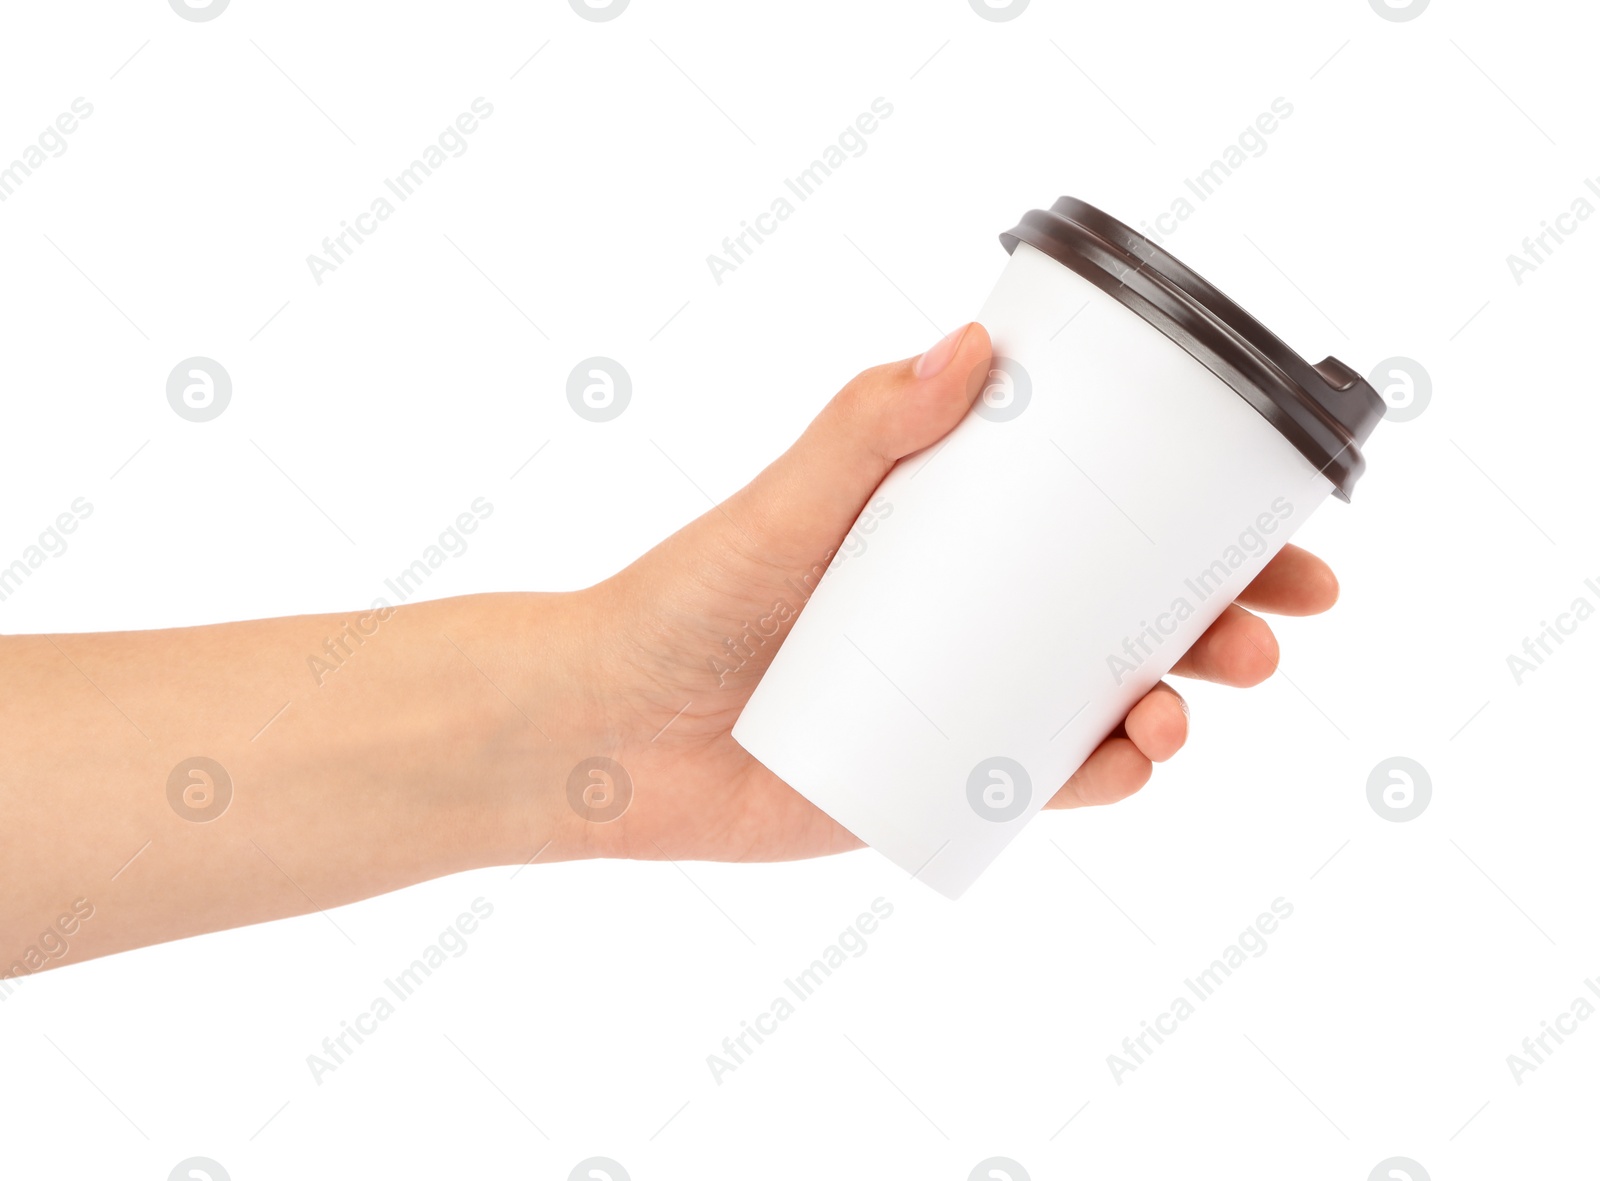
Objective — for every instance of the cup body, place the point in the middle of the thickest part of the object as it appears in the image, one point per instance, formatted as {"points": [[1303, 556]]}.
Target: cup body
{"points": [[1009, 593]]}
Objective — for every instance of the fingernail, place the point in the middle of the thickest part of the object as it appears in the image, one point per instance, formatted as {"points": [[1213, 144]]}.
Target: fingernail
{"points": [[1184, 704], [932, 362]]}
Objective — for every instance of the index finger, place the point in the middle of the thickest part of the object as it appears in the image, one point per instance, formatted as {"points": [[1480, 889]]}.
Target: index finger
{"points": [[1295, 582]]}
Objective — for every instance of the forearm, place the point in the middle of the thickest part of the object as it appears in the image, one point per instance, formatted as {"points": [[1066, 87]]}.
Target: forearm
{"points": [[355, 764]]}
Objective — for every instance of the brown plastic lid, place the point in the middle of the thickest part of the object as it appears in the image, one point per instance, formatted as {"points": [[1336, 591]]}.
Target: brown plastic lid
{"points": [[1326, 411]]}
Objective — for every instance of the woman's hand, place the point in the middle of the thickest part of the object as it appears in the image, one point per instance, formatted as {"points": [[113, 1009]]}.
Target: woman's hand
{"points": [[457, 734], [669, 685]]}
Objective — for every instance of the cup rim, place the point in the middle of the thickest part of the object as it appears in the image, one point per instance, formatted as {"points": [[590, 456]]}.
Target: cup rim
{"points": [[1326, 410]]}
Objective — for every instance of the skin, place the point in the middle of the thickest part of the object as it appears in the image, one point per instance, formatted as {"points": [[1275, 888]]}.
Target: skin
{"points": [[444, 740]]}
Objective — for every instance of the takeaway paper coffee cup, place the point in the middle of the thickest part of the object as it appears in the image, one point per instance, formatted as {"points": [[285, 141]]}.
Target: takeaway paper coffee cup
{"points": [[1140, 450]]}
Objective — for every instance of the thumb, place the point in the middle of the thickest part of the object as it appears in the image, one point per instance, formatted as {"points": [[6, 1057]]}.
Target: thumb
{"points": [[800, 507]]}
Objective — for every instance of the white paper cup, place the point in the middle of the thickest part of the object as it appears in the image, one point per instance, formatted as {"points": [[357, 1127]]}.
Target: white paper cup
{"points": [[1011, 592]]}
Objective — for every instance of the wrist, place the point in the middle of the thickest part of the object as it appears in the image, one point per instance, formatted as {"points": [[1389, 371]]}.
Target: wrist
{"points": [[533, 712]]}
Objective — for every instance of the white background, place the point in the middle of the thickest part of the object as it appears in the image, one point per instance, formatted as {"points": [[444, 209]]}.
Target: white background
{"points": [[429, 367]]}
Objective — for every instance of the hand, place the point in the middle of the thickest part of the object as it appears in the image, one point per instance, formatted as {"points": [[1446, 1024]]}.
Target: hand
{"points": [[668, 690], [446, 738]]}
